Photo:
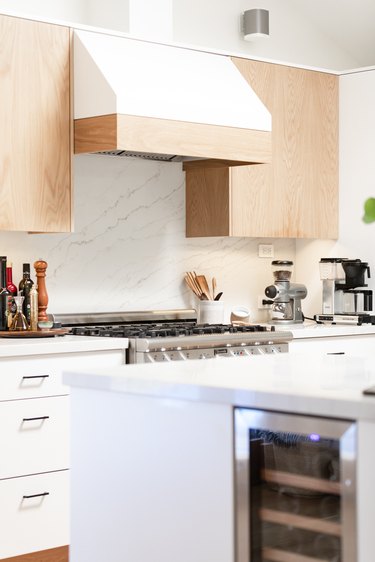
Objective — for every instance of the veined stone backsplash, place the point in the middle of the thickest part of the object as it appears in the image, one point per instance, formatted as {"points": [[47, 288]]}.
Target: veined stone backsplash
{"points": [[129, 250]]}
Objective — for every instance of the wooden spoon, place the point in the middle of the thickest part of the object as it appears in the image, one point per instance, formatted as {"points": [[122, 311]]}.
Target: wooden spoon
{"points": [[192, 277], [192, 286], [213, 287], [202, 281]]}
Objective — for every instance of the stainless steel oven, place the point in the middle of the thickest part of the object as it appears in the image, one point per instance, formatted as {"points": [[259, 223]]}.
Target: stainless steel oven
{"points": [[295, 482], [175, 335]]}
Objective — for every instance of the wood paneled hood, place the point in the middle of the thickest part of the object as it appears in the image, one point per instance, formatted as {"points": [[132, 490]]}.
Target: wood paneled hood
{"points": [[133, 97]]}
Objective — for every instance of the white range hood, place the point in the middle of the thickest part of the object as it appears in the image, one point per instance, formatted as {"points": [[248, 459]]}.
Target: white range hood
{"points": [[145, 98]]}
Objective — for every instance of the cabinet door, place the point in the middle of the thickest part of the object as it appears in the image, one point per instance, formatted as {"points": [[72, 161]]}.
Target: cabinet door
{"points": [[34, 513], [35, 175], [35, 376], [297, 195], [34, 436]]}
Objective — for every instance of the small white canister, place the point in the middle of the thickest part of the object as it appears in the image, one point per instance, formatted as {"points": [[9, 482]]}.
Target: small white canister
{"points": [[240, 314], [210, 312]]}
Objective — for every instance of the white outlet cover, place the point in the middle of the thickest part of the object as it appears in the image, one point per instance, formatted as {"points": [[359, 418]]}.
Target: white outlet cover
{"points": [[265, 250]]}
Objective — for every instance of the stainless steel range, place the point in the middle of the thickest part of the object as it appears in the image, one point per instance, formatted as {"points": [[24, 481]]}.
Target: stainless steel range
{"points": [[174, 335]]}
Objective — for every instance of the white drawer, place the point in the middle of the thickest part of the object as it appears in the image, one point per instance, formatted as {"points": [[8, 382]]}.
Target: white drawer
{"points": [[40, 375], [29, 524], [29, 445]]}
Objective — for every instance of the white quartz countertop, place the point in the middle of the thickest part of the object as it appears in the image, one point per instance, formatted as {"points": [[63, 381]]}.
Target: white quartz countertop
{"points": [[314, 330], [316, 385], [11, 347]]}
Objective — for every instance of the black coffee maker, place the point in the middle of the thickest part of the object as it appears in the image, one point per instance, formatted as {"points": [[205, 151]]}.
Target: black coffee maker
{"points": [[355, 271], [345, 298]]}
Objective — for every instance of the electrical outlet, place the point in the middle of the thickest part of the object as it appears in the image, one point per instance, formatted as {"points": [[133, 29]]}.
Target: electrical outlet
{"points": [[262, 306], [265, 250]]}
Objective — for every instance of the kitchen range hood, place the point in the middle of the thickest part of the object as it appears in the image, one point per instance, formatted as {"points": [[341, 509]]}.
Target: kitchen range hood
{"points": [[136, 98]]}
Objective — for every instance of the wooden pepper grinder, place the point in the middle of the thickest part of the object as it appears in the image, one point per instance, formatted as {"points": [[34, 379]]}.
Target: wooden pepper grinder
{"points": [[40, 272]]}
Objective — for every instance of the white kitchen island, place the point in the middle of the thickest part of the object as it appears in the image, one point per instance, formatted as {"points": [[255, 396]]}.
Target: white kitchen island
{"points": [[152, 450]]}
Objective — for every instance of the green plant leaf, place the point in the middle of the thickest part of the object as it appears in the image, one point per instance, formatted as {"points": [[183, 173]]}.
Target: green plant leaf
{"points": [[369, 215]]}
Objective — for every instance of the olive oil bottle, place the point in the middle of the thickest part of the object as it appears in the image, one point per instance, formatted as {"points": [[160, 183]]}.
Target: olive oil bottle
{"points": [[25, 287]]}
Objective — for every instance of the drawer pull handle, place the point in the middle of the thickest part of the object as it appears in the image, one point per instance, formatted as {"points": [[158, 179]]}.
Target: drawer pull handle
{"points": [[36, 495], [336, 353], [35, 377], [35, 419]]}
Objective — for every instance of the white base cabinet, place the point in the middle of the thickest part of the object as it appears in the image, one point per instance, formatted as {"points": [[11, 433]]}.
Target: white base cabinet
{"points": [[34, 513], [34, 446], [346, 345], [35, 435]]}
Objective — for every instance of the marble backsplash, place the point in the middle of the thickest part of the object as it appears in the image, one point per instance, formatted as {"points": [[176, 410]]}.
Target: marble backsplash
{"points": [[129, 250]]}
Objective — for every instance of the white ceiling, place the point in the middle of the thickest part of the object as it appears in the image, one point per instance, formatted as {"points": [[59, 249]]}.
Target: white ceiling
{"points": [[350, 23]]}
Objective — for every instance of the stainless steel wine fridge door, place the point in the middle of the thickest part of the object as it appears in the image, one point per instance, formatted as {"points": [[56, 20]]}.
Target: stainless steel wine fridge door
{"points": [[295, 482]]}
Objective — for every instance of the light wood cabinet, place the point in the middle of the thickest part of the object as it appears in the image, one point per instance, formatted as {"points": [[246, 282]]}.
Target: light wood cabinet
{"points": [[296, 196], [35, 123]]}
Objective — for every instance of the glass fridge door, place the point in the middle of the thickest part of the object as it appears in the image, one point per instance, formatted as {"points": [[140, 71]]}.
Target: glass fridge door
{"points": [[295, 488]]}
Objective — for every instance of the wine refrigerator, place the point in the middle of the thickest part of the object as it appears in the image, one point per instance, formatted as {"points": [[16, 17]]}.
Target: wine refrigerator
{"points": [[295, 482]]}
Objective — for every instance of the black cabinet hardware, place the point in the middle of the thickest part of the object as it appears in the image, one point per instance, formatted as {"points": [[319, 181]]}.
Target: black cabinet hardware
{"points": [[36, 496], [35, 419], [35, 377]]}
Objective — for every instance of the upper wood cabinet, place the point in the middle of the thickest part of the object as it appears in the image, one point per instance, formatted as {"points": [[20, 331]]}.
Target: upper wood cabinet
{"points": [[35, 124], [296, 196]]}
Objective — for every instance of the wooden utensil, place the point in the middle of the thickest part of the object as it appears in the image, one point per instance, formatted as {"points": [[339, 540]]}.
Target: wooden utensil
{"points": [[213, 288], [202, 282], [194, 283], [204, 297], [191, 286]]}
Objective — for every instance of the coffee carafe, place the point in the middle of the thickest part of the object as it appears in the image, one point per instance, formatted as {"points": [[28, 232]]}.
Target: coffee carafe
{"points": [[344, 298], [285, 296]]}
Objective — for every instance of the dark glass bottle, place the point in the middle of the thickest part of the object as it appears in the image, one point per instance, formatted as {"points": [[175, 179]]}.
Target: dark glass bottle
{"points": [[12, 307], [25, 286], [10, 285], [4, 295]]}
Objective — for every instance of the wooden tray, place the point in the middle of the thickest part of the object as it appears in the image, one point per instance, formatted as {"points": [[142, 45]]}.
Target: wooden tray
{"points": [[35, 333]]}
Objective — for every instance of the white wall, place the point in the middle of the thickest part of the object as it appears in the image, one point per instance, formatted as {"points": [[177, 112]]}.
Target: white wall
{"points": [[357, 173], [110, 14], [129, 249], [294, 37], [67, 10]]}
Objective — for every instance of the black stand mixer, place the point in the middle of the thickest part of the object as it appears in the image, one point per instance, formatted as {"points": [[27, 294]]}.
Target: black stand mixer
{"points": [[285, 296]]}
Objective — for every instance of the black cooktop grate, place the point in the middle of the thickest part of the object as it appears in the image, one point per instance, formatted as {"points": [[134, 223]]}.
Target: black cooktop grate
{"points": [[164, 330]]}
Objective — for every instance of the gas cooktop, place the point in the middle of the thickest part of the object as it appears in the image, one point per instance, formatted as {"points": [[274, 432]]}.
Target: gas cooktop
{"points": [[174, 329], [173, 335]]}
